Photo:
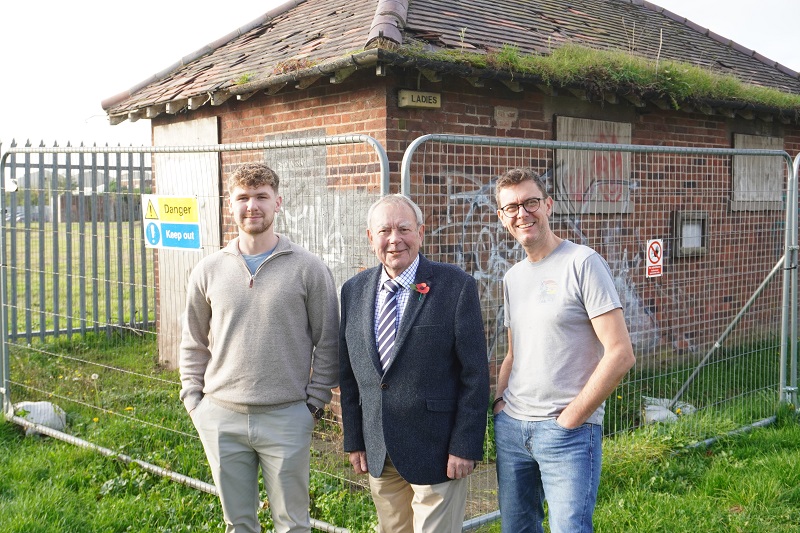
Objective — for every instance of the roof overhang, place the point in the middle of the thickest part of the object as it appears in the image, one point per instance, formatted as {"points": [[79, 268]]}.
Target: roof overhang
{"points": [[386, 55]]}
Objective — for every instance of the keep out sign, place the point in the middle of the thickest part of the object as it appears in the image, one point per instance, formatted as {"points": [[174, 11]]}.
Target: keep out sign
{"points": [[171, 222]]}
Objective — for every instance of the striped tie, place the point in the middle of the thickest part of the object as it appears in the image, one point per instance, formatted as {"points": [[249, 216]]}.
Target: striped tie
{"points": [[386, 322]]}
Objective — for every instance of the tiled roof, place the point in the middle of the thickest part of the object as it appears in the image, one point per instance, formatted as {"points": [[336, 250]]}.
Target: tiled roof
{"points": [[308, 39], [298, 31], [634, 25]]}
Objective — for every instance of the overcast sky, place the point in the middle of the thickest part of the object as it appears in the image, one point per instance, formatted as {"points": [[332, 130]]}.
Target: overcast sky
{"points": [[60, 59]]}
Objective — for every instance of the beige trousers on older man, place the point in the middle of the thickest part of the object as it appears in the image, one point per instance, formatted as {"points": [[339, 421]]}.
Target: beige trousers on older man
{"points": [[406, 508]]}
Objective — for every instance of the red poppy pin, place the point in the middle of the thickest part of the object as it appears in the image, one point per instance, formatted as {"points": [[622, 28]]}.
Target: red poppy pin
{"points": [[421, 288]]}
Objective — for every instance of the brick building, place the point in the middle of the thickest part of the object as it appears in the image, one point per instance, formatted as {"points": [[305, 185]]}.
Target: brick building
{"points": [[335, 67]]}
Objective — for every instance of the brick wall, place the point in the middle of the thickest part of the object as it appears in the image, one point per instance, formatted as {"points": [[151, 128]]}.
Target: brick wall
{"points": [[364, 104]]}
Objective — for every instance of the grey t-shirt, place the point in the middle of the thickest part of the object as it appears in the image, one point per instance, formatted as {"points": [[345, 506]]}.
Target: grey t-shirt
{"points": [[254, 261], [549, 306]]}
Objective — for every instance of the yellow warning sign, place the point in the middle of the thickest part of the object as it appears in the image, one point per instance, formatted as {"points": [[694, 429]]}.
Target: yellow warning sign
{"points": [[151, 212], [171, 222], [174, 209]]}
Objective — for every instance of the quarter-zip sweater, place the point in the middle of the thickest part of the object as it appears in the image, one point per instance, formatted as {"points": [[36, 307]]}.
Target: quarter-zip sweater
{"points": [[255, 342]]}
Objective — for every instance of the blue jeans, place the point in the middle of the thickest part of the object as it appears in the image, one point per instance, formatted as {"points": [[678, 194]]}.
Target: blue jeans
{"points": [[538, 461]]}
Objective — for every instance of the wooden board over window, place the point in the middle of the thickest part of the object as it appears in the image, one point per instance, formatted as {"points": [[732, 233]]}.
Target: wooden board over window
{"points": [[758, 181], [592, 181]]}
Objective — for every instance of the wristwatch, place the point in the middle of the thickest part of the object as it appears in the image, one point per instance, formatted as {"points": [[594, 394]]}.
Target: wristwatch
{"points": [[315, 411]]}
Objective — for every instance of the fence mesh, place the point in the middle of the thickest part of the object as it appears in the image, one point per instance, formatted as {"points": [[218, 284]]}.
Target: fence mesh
{"points": [[93, 314], [706, 333]]}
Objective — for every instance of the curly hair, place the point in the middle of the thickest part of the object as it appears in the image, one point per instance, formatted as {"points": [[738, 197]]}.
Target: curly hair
{"points": [[253, 175]]}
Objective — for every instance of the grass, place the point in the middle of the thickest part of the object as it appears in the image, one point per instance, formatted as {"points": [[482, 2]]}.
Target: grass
{"points": [[51, 486], [601, 72], [749, 372], [116, 396], [742, 483]]}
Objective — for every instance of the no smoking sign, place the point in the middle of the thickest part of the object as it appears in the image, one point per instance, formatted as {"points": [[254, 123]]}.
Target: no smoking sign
{"points": [[655, 258]]}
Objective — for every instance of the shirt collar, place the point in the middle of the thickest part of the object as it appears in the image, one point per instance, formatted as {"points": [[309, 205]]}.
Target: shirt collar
{"points": [[405, 278]]}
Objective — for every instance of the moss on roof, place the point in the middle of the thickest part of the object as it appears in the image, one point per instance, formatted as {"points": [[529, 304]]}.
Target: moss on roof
{"points": [[601, 72]]}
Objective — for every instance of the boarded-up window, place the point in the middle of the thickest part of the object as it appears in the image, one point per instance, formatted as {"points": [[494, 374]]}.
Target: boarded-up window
{"points": [[590, 181], [758, 181]]}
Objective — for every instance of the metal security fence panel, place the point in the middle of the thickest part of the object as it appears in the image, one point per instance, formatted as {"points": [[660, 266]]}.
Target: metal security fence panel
{"points": [[92, 313], [707, 325], [71, 222]]}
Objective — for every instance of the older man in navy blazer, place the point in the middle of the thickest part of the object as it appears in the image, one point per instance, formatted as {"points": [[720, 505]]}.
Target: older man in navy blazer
{"points": [[414, 376]]}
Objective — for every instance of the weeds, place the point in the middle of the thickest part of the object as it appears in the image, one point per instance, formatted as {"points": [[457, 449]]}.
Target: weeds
{"points": [[615, 71], [654, 478]]}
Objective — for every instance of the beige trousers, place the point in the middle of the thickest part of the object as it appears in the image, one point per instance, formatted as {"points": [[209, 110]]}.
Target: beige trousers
{"points": [[406, 508], [237, 444]]}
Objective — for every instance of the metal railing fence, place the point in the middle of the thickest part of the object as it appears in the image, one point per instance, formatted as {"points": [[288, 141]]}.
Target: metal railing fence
{"points": [[714, 333], [91, 315], [70, 223]]}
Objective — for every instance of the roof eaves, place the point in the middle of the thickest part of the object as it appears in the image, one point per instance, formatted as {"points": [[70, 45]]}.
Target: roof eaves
{"points": [[263, 19], [516, 78], [271, 84], [363, 59]]}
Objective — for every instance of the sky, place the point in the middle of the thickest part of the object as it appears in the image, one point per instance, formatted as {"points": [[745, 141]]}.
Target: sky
{"points": [[59, 59]]}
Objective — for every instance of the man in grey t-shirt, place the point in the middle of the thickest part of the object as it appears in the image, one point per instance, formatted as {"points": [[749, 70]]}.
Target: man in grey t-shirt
{"points": [[568, 349]]}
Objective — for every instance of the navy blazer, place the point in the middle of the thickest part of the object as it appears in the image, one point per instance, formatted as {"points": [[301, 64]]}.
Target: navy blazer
{"points": [[434, 396]]}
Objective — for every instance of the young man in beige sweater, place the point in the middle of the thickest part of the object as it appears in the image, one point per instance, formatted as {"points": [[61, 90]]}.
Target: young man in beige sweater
{"points": [[258, 358]]}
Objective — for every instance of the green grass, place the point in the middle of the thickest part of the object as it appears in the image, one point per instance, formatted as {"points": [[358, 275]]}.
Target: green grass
{"points": [[51, 486], [601, 72], [741, 381], [745, 483], [116, 396], [740, 483]]}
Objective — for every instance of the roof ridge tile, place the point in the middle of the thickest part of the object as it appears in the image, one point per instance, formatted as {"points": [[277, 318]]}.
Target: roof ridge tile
{"points": [[389, 21]]}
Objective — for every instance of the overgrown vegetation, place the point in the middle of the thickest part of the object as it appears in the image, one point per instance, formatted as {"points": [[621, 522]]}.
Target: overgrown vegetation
{"points": [[741, 483], [748, 372], [654, 481], [603, 72], [117, 397], [247, 77]]}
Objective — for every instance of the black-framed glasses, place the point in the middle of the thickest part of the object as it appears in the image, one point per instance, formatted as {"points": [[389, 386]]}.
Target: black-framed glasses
{"points": [[530, 205]]}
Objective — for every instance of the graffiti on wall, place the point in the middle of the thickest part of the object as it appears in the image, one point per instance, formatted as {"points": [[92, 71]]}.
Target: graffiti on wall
{"points": [[482, 247], [319, 217], [590, 180]]}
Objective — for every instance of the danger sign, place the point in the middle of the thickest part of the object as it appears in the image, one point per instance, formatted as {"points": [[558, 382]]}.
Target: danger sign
{"points": [[171, 222], [655, 258]]}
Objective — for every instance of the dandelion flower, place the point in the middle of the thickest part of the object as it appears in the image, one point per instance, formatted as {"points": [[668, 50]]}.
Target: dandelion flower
{"points": [[95, 419], [95, 376], [129, 408], [619, 397], [678, 411]]}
